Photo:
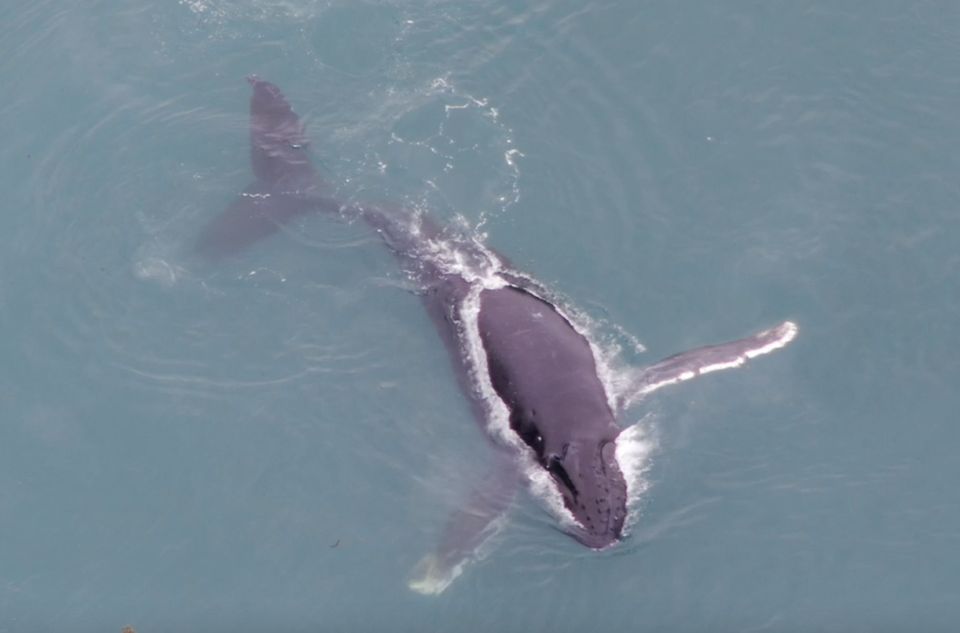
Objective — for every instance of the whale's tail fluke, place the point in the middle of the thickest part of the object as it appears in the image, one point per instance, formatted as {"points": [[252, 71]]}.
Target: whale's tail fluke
{"points": [[286, 184]]}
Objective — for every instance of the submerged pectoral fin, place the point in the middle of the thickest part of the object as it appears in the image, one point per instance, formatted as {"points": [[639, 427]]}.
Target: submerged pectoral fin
{"points": [[704, 360], [468, 529]]}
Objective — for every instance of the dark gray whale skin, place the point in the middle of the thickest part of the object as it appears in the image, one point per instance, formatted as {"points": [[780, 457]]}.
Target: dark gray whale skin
{"points": [[541, 367], [539, 364], [545, 372]]}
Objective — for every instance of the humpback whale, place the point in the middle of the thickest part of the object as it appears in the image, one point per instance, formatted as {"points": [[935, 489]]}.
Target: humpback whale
{"points": [[529, 371]]}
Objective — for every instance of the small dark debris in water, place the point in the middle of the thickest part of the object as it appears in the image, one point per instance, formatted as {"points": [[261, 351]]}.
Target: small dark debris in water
{"points": [[337, 544]]}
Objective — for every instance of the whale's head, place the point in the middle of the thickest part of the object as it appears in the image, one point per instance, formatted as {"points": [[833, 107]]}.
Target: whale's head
{"points": [[593, 487]]}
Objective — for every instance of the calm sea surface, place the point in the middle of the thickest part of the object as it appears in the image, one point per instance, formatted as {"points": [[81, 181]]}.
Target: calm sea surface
{"points": [[271, 443]]}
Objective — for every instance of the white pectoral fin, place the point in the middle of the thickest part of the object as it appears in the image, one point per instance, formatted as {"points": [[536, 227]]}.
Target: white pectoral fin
{"points": [[704, 360], [468, 529]]}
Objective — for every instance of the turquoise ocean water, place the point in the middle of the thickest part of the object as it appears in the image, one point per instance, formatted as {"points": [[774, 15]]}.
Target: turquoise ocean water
{"points": [[271, 443]]}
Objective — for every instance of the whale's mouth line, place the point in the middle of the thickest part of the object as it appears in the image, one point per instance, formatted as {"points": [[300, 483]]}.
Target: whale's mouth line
{"points": [[557, 470]]}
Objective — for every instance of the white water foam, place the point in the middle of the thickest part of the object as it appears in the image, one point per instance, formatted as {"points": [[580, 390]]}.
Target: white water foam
{"points": [[157, 270], [635, 448], [155, 262]]}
